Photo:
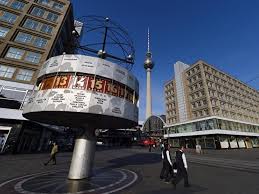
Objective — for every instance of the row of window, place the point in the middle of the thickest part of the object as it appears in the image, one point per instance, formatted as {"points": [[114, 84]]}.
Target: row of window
{"points": [[170, 92], [38, 26], [25, 38], [42, 13], [7, 17], [53, 4], [170, 106], [171, 120], [197, 95], [171, 98], [200, 113], [196, 86], [29, 23], [18, 5], [193, 70], [170, 86], [22, 74], [30, 39], [228, 81], [20, 54], [246, 105], [235, 115], [199, 103], [194, 78]]}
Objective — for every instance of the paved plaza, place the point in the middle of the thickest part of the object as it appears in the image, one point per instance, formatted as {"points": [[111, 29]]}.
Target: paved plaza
{"points": [[132, 171]]}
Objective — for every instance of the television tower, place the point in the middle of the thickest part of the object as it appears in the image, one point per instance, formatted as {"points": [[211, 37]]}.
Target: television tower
{"points": [[148, 65]]}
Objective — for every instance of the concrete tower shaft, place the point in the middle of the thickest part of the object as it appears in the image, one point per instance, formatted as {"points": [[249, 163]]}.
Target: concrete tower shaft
{"points": [[148, 65]]}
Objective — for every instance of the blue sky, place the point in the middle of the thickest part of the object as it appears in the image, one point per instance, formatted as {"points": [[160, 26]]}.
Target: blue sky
{"points": [[224, 33]]}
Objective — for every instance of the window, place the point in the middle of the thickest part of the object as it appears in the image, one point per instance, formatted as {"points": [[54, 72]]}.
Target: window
{"points": [[3, 31], [6, 71], [17, 5], [32, 57], [52, 17], [44, 2], [23, 37], [46, 28], [15, 53], [40, 42], [7, 17], [24, 75], [31, 24], [4, 2], [58, 6], [37, 12]]}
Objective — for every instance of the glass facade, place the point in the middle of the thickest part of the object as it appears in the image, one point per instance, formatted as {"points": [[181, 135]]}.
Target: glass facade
{"points": [[214, 124]]}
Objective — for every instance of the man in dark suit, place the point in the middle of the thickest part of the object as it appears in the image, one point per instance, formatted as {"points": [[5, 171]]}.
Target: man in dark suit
{"points": [[181, 163]]}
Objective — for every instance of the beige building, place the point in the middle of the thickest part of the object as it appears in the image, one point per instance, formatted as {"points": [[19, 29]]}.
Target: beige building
{"points": [[31, 31], [201, 92]]}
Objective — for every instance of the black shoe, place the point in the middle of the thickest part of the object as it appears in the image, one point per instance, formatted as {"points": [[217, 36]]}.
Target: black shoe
{"points": [[45, 164], [167, 182]]}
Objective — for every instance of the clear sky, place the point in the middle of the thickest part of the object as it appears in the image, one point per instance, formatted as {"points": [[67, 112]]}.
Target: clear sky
{"points": [[224, 33]]}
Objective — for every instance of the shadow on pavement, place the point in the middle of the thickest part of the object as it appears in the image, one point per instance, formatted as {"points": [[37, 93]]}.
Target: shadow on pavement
{"points": [[135, 159], [180, 190]]}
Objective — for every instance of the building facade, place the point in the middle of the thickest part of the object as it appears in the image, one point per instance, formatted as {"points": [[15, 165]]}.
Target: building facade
{"points": [[201, 91], [31, 31]]}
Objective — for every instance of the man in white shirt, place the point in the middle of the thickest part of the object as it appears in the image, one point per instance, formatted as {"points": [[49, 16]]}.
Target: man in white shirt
{"points": [[181, 167], [167, 164]]}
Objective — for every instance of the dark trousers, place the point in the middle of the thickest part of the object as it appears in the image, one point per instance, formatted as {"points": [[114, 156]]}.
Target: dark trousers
{"points": [[166, 171], [53, 158], [181, 174]]}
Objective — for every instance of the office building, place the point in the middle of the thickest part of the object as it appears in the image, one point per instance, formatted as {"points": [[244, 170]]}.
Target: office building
{"points": [[31, 31], [209, 107]]}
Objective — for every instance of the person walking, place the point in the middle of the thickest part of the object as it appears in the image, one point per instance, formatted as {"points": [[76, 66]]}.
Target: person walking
{"points": [[181, 164], [166, 171], [53, 153]]}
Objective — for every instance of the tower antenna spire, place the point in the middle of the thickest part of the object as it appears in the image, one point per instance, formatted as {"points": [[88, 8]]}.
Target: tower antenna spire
{"points": [[148, 40]]}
